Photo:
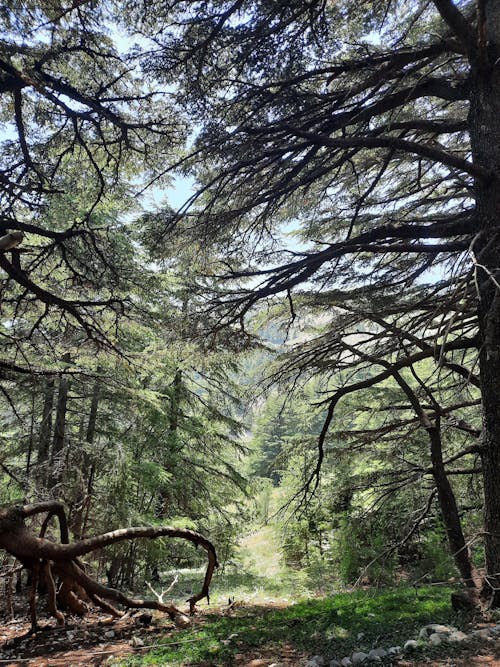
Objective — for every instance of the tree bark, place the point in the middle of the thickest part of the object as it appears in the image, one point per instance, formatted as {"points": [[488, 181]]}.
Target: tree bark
{"points": [[59, 428], [173, 437], [46, 423], [484, 123], [449, 511], [82, 501], [61, 560]]}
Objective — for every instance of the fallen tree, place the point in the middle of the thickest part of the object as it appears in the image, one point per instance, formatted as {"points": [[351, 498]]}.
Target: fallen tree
{"points": [[58, 567]]}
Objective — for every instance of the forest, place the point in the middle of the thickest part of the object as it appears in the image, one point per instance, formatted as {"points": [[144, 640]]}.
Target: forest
{"points": [[250, 332]]}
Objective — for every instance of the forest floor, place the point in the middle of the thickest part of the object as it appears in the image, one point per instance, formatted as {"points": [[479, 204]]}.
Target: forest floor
{"points": [[255, 635], [275, 617]]}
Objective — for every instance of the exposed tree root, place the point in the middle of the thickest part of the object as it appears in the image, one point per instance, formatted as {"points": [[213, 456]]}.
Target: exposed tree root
{"points": [[47, 570], [105, 606], [60, 561]]}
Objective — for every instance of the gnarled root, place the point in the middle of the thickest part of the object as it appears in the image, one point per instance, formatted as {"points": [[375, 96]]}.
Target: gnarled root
{"points": [[72, 597], [62, 560], [51, 590]]}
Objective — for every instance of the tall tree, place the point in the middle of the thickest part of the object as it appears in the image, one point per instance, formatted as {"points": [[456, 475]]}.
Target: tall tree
{"points": [[76, 121], [371, 129]]}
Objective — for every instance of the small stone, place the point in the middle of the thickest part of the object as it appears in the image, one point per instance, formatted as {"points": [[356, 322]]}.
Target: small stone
{"points": [[435, 639], [411, 645], [276, 664], [443, 629], [457, 636], [394, 650], [346, 662], [316, 661], [109, 634], [433, 628], [182, 621], [335, 663], [377, 653], [483, 633], [137, 641], [359, 658], [361, 635]]}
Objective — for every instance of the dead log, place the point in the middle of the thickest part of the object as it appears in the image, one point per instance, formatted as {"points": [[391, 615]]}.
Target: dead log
{"points": [[60, 561]]}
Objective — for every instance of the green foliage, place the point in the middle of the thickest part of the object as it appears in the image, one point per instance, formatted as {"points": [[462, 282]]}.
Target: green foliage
{"points": [[132, 312], [357, 548], [435, 561]]}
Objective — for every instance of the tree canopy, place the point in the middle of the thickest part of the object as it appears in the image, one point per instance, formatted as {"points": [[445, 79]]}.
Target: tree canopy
{"points": [[368, 130], [344, 159]]}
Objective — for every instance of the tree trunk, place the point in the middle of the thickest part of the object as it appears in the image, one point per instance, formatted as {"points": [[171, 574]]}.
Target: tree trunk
{"points": [[173, 437], [46, 423], [59, 428], [31, 439], [82, 501], [449, 512], [175, 409], [484, 122]]}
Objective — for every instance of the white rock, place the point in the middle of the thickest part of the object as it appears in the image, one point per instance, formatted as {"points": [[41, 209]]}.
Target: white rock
{"points": [[361, 635], [377, 653], [457, 636], [137, 641], [410, 645], [394, 650], [109, 634], [276, 664], [346, 662], [359, 658], [433, 628], [443, 629], [436, 639]]}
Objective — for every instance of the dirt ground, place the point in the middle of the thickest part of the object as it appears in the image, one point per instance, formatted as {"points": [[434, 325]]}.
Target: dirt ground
{"points": [[93, 641], [79, 642], [88, 643]]}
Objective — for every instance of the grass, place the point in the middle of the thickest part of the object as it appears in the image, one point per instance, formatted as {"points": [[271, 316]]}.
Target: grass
{"points": [[329, 626], [258, 576], [248, 587], [260, 547]]}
